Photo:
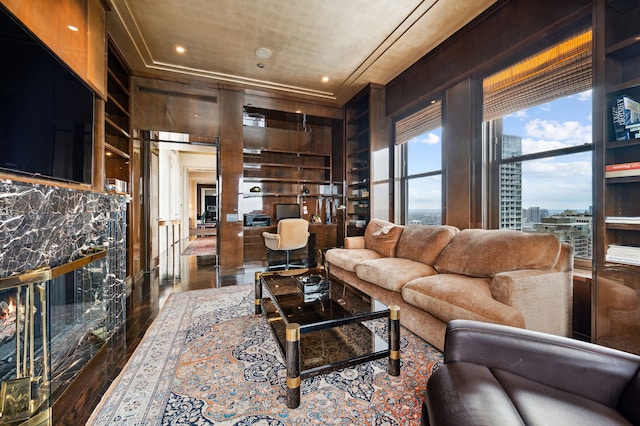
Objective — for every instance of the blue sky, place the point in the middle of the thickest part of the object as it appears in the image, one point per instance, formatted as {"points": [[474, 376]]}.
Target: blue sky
{"points": [[556, 183]]}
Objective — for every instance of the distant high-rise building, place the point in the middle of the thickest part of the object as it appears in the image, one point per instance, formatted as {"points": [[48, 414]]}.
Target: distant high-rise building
{"points": [[533, 214], [511, 185], [574, 230]]}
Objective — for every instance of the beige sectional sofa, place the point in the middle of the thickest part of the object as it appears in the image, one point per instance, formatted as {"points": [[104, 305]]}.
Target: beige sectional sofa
{"points": [[439, 273]]}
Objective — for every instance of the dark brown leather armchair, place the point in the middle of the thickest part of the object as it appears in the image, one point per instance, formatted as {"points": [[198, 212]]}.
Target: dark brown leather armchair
{"points": [[499, 375]]}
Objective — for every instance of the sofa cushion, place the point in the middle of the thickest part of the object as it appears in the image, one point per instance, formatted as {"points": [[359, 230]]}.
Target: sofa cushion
{"points": [[347, 259], [423, 243], [392, 272], [382, 236], [483, 252], [451, 296]]}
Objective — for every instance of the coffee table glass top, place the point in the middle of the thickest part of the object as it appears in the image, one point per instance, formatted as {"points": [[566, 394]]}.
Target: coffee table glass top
{"points": [[341, 304], [332, 332]]}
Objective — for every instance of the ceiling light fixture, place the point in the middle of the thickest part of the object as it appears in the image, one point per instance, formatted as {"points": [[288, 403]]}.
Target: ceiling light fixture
{"points": [[262, 53], [260, 65], [72, 28], [325, 79], [180, 49]]}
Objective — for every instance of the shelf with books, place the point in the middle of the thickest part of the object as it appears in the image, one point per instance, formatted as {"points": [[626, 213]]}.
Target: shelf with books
{"points": [[616, 259], [357, 131]]}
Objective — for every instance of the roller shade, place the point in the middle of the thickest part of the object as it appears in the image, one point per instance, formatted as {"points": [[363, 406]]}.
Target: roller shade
{"points": [[418, 123], [559, 71]]}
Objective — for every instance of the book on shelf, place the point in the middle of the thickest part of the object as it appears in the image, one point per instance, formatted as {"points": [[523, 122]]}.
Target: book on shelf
{"points": [[631, 220], [630, 251], [622, 169], [623, 254], [625, 112], [622, 259]]}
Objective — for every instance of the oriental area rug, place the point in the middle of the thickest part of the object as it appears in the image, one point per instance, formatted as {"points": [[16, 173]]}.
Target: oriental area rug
{"points": [[201, 246], [207, 359]]}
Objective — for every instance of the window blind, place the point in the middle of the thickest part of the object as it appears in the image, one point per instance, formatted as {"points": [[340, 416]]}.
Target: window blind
{"points": [[562, 70], [419, 122]]}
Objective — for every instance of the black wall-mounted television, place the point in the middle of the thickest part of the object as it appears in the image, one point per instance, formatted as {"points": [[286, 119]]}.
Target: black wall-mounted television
{"points": [[46, 111], [286, 211]]}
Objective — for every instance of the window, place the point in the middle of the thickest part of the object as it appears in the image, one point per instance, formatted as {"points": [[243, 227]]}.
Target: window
{"points": [[418, 169], [538, 127]]}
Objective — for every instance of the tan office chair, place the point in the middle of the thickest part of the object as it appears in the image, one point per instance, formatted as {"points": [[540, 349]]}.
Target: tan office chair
{"points": [[292, 234]]}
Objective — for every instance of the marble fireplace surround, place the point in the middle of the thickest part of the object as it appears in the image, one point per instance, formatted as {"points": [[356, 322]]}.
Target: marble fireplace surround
{"points": [[43, 225], [46, 225]]}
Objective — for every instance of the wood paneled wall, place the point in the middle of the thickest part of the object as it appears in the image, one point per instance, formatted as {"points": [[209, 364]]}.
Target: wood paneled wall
{"points": [[458, 183], [230, 255], [84, 51]]}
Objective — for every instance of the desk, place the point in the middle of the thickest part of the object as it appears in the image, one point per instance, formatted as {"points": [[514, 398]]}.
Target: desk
{"points": [[321, 235]]}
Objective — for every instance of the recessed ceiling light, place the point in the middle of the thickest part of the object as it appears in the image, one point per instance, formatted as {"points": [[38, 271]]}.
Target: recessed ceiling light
{"points": [[262, 53], [325, 79], [72, 27], [180, 49]]}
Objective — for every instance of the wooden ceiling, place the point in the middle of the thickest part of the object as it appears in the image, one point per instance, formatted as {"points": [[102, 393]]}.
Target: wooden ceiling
{"points": [[351, 42]]}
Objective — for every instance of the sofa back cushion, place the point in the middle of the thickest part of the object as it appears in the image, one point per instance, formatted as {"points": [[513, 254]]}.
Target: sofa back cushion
{"points": [[382, 236], [423, 243], [484, 253]]}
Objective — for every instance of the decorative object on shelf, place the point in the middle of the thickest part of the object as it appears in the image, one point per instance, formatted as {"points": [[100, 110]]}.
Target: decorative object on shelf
{"points": [[625, 114], [255, 189], [115, 185]]}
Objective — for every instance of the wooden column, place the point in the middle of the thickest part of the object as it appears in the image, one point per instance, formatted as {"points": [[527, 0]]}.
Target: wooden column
{"points": [[230, 176], [459, 184], [97, 181]]}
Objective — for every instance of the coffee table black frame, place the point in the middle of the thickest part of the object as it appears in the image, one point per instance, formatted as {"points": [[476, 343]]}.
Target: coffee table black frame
{"points": [[323, 334]]}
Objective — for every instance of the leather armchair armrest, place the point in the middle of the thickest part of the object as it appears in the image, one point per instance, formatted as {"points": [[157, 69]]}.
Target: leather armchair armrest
{"points": [[271, 236], [271, 240], [595, 372]]}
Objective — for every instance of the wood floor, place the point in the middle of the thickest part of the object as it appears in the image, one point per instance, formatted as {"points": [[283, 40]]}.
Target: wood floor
{"points": [[75, 405]]}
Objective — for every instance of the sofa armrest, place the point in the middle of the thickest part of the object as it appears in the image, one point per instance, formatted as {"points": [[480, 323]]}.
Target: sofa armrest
{"points": [[544, 298], [595, 372], [354, 242]]}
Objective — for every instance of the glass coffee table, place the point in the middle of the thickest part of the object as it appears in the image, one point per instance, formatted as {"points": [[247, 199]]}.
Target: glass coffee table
{"points": [[318, 324]]}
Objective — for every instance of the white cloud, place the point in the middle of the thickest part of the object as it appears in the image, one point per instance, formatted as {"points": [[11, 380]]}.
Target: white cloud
{"points": [[518, 114], [539, 145], [584, 96], [429, 138], [551, 134], [550, 168]]}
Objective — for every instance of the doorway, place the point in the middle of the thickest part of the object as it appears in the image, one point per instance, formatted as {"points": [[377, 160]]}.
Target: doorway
{"points": [[183, 211]]}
